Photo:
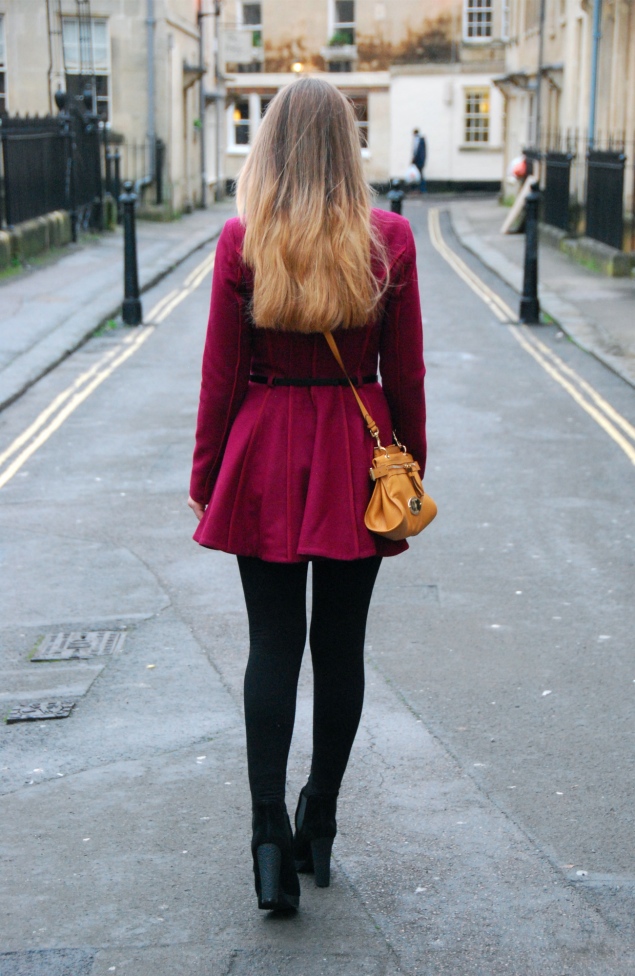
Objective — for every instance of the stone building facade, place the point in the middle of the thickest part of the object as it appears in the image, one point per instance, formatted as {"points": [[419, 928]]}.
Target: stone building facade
{"points": [[403, 63], [563, 111], [198, 75], [46, 45]]}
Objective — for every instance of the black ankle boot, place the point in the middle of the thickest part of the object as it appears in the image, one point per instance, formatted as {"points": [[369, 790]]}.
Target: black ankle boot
{"points": [[315, 830], [276, 881]]}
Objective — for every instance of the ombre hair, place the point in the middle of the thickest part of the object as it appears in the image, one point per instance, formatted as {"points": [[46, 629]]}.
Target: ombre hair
{"points": [[306, 207]]}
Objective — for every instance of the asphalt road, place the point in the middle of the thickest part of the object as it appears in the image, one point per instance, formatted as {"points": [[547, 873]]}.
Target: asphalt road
{"points": [[486, 821]]}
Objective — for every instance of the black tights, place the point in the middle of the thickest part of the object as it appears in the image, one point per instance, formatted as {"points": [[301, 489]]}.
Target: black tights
{"points": [[275, 594]]}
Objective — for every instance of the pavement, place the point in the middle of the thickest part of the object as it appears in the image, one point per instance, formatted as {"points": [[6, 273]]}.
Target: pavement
{"points": [[49, 310], [486, 819], [595, 311]]}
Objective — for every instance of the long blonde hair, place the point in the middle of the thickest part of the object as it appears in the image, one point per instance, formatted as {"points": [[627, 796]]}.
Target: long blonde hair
{"points": [[306, 207]]}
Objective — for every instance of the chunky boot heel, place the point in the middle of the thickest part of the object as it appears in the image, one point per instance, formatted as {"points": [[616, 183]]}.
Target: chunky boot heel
{"points": [[268, 858], [275, 877], [315, 830], [321, 854]]}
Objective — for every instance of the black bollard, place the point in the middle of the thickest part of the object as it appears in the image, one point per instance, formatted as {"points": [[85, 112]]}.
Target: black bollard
{"points": [[395, 195], [131, 308], [529, 304]]}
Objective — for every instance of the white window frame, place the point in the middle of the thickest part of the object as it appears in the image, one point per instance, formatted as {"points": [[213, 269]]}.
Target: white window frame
{"points": [[3, 62], [359, 125], [334, 24], [255, 118], [250, 28], [477, 7], [255, 115], [479, 90], [100, 67], [240, 21]]}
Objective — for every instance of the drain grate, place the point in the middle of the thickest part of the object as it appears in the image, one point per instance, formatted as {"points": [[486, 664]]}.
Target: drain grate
{"points": [[79, 645], [36, 711]]}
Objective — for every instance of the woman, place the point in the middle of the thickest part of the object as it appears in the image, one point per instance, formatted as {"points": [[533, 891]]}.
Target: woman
{"points": [[280, 470]]}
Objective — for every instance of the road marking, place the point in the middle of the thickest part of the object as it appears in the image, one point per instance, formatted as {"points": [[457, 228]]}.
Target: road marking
{"points": [[66, 402], [581, 391], [54, 405], [201, 270], [140, 337], [501, 310], [161, 304]]}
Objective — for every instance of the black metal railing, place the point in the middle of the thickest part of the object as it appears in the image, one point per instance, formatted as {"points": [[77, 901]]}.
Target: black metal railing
{"points": [[67, 162], [557, 189], [52, 163], [590, 189], [34, 168], [605, 196]]}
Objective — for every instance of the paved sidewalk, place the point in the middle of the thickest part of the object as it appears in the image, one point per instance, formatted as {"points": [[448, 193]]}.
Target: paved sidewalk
{"points": [[597, 312], [49, 311]]}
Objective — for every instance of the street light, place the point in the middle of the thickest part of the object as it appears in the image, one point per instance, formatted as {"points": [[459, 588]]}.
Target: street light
{"points": [[297, 67]]}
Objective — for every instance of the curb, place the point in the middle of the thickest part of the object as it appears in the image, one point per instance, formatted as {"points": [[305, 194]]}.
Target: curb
{"points": [[32, 365], [588, 335]]}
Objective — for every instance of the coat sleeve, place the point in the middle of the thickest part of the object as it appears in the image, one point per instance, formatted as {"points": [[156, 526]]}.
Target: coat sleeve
{"points": [[226, 362], [401, 354]]}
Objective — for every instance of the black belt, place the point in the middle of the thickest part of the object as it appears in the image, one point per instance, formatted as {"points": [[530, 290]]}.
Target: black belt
{"points": [[312, 380]]}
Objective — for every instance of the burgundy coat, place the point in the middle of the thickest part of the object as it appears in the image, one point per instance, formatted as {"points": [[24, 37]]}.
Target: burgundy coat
{"points": [[284, 470]]}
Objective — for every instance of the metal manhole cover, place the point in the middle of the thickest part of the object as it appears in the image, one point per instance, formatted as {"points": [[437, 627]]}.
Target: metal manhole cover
{"points": [[79, 645], [36, 711]]}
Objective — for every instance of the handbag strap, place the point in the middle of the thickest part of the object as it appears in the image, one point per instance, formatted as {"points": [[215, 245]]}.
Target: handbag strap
{"points": [[368, 420]]}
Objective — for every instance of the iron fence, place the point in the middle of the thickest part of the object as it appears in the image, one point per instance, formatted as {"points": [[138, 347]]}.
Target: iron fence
{"points": [[590, 189], [68, 162], [51, 163], [143, 162], [34, 168]]}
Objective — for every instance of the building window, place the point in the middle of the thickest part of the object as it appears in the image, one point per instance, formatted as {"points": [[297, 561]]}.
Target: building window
{"points": [[476, 116], [336, 66], [264, 103], [478, 20], [360, 104], [87, 56], [251, 19], [241, 122], [343, 22], [3, 70], [243, 119], [249, 26]]}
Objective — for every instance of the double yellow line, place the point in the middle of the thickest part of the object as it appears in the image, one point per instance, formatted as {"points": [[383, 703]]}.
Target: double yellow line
{"points": [[586, 396], [170, 301], [66, 402]]}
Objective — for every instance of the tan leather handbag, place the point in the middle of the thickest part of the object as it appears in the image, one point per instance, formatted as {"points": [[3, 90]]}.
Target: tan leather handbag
{"points": [[398, 507]]}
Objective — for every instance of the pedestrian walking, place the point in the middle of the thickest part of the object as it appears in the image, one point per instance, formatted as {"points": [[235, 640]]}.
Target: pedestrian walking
{"points": [[280, 469], [419, 154]]}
